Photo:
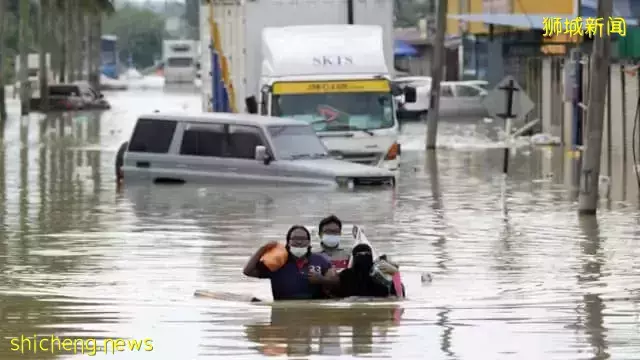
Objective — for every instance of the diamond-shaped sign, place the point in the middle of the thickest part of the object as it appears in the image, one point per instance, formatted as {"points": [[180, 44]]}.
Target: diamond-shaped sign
{"points": [[497, 101]]}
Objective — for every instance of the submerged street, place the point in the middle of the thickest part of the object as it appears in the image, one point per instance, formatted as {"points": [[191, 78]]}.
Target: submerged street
{"points": [[515, 273]]}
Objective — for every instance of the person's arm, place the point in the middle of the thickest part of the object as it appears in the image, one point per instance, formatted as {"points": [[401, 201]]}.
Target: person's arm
{"points": [[255, 268]]}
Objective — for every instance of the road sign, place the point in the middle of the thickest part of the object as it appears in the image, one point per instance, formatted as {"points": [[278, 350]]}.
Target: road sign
{"points": [[508, 101]]}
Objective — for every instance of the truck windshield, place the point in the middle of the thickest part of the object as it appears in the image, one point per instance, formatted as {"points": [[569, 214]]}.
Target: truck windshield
{"points": [[337, 111], [180, 62], [296, 142]]}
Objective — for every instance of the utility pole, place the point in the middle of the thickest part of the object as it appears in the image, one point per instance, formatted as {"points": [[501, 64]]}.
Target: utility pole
{"points": [[437, 72], [598, 81], [578, 113]]}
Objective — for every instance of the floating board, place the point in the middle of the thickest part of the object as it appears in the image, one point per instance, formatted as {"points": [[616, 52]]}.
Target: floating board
{"points": [[333, 303], [226, 296]]}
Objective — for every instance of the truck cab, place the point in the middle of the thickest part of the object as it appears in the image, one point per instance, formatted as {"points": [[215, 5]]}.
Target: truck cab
{"points": [[335, 78]]}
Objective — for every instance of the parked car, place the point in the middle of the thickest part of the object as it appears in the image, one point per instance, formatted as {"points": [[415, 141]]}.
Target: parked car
{"points": [[75, 96], [91, 98], [420, 108], [460, 99], [238, 149], [479, 83]]}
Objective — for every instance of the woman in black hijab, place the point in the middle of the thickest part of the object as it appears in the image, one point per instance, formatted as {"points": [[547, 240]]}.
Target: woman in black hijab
{"points": [[358, 280]]}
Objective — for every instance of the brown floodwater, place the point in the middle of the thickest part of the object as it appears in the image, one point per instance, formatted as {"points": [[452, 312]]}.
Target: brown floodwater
{"points": [[515, 273]]}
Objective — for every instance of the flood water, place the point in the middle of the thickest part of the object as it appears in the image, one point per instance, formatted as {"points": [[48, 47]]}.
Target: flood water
{"points": [[515, 273]]}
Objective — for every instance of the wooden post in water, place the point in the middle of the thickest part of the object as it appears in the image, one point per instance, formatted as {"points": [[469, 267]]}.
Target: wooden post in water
{"points": [[598, 81]]}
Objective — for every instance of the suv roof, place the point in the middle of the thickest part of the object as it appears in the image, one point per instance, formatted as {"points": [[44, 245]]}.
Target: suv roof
{"points": [[239, 119], [63, 85]]}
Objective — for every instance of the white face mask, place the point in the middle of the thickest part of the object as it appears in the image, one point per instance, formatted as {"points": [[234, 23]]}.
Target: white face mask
{"points": [[331, 240], [298, 251]]}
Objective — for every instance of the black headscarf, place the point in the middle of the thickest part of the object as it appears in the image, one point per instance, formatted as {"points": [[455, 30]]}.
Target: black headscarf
{"points": [[362, 258], [356, 281]]}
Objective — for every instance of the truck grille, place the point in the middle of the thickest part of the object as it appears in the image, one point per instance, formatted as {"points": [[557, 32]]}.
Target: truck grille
{"points": [[361, 158], [374, 181]]}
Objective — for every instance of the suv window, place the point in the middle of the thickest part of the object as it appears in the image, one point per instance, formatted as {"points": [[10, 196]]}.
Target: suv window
{"points": [[243, 141], [204, 140], [445, 91], [152, 136], [467, 91], [64, 90]]}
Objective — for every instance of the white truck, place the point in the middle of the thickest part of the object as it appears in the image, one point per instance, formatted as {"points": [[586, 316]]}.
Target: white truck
{"points": [[180, 58], [303, 59]]}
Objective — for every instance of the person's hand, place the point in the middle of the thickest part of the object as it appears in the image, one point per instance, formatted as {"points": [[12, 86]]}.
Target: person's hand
{"points": [[387, 268], [315, 278], [268, 246]]}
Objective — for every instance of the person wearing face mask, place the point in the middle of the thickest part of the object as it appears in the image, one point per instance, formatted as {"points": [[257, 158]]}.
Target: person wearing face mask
{"points": [[298, 278], [330, 231], [361, 279]]}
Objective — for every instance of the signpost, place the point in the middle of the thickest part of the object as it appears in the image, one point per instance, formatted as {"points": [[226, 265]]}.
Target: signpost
{"points": [[509, 102]]}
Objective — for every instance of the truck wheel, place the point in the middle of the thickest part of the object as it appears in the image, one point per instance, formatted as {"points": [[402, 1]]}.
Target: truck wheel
{"points": [[120, 160]]}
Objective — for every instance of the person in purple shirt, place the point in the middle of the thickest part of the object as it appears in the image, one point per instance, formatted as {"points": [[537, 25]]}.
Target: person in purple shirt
{"points": [[301, 276]]}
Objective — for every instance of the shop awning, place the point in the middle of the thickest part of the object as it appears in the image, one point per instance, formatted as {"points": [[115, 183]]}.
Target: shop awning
{"points": [[401, 48]]}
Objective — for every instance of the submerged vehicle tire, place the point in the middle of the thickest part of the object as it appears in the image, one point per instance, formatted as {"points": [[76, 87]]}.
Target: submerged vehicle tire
{"points": [[120, 160]]}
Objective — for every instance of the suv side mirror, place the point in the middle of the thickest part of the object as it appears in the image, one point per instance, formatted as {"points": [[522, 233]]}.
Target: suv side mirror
{"points": [[409, 94], [252, 104], [261, 154]]}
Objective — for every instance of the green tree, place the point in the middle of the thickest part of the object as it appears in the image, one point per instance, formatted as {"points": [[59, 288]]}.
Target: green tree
{"points": [[192, 15], [3, 28], [140, 33], [409, 13], [25, 88]]}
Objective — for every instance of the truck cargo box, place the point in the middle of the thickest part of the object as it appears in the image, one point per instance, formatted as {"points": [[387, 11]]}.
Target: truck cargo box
{"points": [[240, 25]]}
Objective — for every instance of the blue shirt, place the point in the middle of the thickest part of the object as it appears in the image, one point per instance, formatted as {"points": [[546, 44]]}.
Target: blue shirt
{"points": [[291, 282]]}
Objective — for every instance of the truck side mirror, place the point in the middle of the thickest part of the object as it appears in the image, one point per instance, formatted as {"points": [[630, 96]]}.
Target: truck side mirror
{"points": [[409, 94], [396, 90], [252, 104]]}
